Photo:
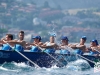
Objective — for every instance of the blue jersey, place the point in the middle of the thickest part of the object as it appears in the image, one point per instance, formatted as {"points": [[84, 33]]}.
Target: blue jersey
{"points": [[6, 47], [18, 47], [78, 51], [49, 50], [35, 49], [92, 53], [64, 51]]}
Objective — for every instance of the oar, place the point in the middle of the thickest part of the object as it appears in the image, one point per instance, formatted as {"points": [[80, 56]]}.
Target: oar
{"points": [[27, 59], [64, 58], [52, 57], [97, 51], [86, 59], [83, 56], [3, 64]]}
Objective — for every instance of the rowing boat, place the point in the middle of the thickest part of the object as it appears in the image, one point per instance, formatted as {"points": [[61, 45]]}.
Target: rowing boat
{"points": [[41, 58]]}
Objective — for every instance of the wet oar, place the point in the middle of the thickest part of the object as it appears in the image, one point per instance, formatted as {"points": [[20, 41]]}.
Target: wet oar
{"points": [[27, 59], [97, 51], [86, 59], [3, 64], [52, 56], [83, 57]]}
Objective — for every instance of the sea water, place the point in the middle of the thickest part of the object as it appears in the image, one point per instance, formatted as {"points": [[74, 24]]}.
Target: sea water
{"points": [[77, 67]]}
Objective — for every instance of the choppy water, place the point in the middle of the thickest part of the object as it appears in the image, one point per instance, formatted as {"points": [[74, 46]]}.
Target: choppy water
{"points": [[78, 67]]}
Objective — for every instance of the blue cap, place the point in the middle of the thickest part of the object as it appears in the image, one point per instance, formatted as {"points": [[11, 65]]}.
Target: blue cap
{"points": [[84, 37], [95, 41], [64, 38], [37, 37]]}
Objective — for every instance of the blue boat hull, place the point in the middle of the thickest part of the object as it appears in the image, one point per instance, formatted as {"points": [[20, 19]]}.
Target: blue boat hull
{"points": [[42, 59]]}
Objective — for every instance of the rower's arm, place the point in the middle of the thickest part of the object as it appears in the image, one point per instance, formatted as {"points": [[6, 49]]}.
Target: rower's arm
{"points": [[78, 47], [56, 46], [4, 41], [82, 47], [11, 41], [16, 42], [98, 48], [31, 44], [44, 46], [95, 49], [73, 46], [62, 47]]}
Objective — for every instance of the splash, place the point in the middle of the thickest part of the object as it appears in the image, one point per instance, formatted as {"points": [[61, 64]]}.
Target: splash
{"points": [[97, 67], [78, 65], [5, 69], [20, 64], [2, 68], [52, 34]]}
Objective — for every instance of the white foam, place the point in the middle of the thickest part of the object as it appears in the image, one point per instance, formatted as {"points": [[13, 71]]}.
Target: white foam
{"points": [[78, 65], [20, 64], [5, 69], [2, 68]]}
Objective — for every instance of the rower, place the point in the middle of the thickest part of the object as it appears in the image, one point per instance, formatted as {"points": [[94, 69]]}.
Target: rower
{"points": [[50, 46], [63, 46], [81, 47], [34, 47], [94, 48], [5, 45], [18, 44]]}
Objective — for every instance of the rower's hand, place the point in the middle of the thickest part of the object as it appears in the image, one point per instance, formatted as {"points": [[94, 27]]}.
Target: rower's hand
{"points": [[5, 41], [27, 44]]}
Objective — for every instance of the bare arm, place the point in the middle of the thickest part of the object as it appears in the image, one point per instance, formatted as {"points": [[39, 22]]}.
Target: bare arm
{"points": [[15, 42], [81, 47], [11, 41], [73, 46], [45, 46]]}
